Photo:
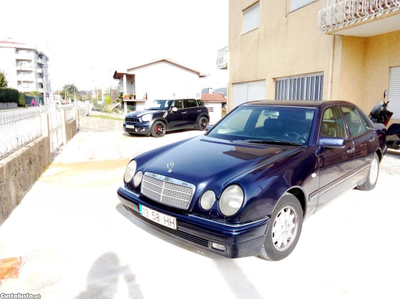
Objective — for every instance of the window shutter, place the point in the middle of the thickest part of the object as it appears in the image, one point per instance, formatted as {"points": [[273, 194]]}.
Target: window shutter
{"points": [[394, 91]]}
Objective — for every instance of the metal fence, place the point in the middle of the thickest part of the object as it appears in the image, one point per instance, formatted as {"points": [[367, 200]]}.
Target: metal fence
{"points": [[69, 112], [18, 127], [55, 124]]}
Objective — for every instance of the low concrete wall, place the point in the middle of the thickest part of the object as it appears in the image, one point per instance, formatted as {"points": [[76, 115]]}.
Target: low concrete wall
{"points": [[94, 123], [70, 130], [19, 171], [8, 106]]}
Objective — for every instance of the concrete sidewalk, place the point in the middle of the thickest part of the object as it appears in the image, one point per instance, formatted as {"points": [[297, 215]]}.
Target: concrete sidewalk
{"points": [[79, 242]]}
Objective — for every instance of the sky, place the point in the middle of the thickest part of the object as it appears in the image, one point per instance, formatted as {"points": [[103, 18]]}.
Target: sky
{"points": [[86, 41]]}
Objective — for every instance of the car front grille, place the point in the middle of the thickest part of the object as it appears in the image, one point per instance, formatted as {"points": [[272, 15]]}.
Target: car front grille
{"points": [[169, 191], [132, 119]]}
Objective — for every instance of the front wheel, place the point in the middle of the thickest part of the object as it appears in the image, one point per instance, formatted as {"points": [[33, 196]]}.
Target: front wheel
{"points": [[284, 229], [372, 176], [202, 123], [158, 129]]}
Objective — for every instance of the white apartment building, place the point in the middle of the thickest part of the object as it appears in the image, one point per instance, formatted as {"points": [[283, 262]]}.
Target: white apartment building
{"points": [[25, 68]]}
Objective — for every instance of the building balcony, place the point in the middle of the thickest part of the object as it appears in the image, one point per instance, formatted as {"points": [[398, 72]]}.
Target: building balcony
{"points": [[359, 17], [24, 67], [39, 60], [222, 59], [25, 78], [23, 56]]}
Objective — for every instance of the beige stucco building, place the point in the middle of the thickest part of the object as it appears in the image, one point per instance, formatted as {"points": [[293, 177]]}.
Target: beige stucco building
{"points": [[313, 50]]}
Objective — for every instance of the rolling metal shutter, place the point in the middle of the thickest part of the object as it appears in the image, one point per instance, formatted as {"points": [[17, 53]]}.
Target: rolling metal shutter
{"points": [[394, 91]]}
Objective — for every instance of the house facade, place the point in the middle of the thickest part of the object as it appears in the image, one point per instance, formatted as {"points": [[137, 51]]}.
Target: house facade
{"points": [[158, 79], [314, 50], [25, 68], [214, 102]]}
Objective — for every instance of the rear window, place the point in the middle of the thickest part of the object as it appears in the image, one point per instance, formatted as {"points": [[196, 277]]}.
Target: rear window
{"points": [[200, 103]]}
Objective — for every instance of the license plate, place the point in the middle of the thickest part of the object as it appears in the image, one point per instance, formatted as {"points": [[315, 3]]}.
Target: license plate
{"points": [[130, 126], [158, 217]]}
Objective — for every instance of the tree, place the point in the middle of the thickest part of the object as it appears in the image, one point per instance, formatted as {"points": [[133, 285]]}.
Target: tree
{"points": [[70, 90], [3, 81], [108, 100], [34, 93]]}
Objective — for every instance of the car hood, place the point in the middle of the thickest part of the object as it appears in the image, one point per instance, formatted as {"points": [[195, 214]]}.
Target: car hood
{"points": [[143, 112], [208, 161]]}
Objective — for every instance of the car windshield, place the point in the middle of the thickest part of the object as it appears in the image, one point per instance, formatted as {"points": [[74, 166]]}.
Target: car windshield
{"points": [[266, 125], [160, 105]]}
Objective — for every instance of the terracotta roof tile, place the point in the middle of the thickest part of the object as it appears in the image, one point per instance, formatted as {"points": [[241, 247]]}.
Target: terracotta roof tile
{"points": [[213, 97]]}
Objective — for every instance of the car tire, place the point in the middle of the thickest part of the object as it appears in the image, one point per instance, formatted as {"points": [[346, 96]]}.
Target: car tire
{"points": [[282, 237], [202, 123], [158, 129], [372, 176]]}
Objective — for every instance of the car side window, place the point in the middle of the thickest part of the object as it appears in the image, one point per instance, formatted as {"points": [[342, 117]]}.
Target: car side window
{"points": [[364, 123], [332, 124], [178, 104], [353, 121], [190, 103]]}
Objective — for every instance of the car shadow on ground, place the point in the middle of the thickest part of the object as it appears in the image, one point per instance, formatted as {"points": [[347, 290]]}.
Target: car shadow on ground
{"points": [[229, 268], [168, 133]]}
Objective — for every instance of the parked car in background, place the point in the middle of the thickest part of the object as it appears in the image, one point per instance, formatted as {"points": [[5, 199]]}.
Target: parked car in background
{"points": [[167, 115], [245, 187]]}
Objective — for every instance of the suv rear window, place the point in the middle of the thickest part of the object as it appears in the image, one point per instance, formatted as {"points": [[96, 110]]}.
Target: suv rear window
{"points": [[200, 103]]}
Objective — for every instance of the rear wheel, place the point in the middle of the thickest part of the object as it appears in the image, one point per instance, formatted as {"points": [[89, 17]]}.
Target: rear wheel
{"points": [[284, 229], [372, 176], [158, 129], [202, 123]]}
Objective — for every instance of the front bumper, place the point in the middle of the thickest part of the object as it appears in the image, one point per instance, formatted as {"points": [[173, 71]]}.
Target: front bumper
{"points": [[240, 240], [137, 128]]}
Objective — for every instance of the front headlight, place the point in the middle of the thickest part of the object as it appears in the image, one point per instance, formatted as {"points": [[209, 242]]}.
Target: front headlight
{"points": [[231, 200], [138, 178], [207, 200], [147, 117], [130, 171]]}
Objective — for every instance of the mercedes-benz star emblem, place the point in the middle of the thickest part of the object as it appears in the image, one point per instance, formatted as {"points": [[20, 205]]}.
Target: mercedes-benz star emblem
{"points": [[170, 166]]}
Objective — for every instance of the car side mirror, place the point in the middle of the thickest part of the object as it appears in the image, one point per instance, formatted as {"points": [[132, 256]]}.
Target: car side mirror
{"points": [[332, 142], [208, 128], [174, 109]]}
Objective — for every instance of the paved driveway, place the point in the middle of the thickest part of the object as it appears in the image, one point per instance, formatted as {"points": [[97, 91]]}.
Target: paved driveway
{"points": [[78, 241]]}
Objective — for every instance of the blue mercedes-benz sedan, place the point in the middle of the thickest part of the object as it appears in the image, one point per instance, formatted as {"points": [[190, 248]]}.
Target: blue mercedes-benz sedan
{"points": [[245, 187]]}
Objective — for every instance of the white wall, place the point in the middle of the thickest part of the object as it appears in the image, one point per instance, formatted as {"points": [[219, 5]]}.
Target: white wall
{"points": [[216, 115], [163, 80]]}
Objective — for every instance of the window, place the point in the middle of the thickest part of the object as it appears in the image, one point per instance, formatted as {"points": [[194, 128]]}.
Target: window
{"points": [[394, 91], [200, 103], [210, 109], [307, 87], [332, 124], [353, 121], [178, 104], [295, 4], [190, 103], [251, 18]]}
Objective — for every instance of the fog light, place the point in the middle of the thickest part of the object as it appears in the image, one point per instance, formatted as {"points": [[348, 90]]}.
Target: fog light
{"points": [[218, 246]]}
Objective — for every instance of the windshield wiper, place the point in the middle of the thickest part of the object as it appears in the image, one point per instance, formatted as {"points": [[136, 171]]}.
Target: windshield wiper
{"points": [[274, 142]]}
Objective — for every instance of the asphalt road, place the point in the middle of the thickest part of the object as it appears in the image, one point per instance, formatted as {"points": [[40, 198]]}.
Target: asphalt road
{"points": [[79, 242]]}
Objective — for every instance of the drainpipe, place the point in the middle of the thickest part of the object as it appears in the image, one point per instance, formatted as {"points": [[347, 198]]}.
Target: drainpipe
{"points": [[331, 68]]}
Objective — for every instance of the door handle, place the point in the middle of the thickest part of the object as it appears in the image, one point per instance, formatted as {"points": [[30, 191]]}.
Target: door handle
{"points": [[184, 112], [372, 139], [350, 150], [198, 110]]}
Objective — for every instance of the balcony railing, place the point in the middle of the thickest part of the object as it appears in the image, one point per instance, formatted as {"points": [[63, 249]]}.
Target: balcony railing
{"points": [[23, 56], [222, 59], [337, 14]]}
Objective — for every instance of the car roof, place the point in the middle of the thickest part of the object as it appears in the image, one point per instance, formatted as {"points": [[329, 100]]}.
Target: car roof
{"points": [[298, 103]]}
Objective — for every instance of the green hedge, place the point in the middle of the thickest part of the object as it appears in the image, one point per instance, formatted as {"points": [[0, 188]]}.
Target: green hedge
{"points": [[8, 95], [21, 100]]}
